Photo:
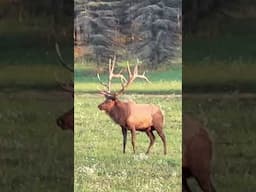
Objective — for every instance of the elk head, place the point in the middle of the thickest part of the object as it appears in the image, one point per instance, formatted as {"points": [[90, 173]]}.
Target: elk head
{"points": [[66, 120]]}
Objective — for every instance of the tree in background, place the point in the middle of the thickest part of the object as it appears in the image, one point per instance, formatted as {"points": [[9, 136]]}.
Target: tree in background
{"points": [[196, 10], [154, 28], [145, 29], [98, 26]]}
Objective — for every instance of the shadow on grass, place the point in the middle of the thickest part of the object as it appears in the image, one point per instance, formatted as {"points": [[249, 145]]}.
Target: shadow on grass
{"points": [[21, 88], [147, 92], [220, 88]]}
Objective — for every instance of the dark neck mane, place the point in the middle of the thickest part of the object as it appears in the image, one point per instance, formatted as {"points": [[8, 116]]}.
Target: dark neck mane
{"points": [[120, 112]]}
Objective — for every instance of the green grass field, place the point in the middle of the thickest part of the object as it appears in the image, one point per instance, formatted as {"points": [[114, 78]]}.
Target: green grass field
{"points": [[221, 61], [220, 58], [28, 59], [165, 81], [100, 164], [231, 124], [35, 153]]}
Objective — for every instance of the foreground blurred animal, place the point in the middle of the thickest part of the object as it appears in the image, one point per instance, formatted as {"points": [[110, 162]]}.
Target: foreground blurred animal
{"points": [[130, 115], [66, 120], [196, 155]]}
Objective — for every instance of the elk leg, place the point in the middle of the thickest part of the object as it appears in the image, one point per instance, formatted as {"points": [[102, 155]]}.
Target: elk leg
{"points": [[200, 170], [133, 135], [152, 139], [200, 162], [185, 187], [212, 188], [162, 135], [124, 131], [204, 182]]}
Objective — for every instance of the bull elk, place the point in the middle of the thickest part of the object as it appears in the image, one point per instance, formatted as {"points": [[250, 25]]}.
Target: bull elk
{"points": [[196, 155], [130, 115], [66, 120]]}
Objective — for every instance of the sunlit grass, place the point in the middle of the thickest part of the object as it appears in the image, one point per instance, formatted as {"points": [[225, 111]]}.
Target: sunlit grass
{"points": [[154, 88], [220, 76], [100, 164], [36, 155], [162, 82]]}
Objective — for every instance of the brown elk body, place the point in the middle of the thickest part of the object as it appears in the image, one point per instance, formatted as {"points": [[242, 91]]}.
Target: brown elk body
{"points": [[196, 155], [130, 115], [135, 117]]}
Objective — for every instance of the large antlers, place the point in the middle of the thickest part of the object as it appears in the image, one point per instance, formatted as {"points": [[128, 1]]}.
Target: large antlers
{"points": [[132, 77], [68, 87], [124, 82], [61, 58], [111, 67]]}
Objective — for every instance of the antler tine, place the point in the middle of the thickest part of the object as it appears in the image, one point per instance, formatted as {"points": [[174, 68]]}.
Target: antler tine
{"points": [[132, 77], [111, 68], [113, 63], [128, 68], [101, 82], [135, 71], [61, 60], [143, 74], [112, 74], [110, 71]]}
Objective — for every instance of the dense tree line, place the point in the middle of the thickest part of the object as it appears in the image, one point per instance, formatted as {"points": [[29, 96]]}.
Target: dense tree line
{"points": [[195, 10], [26, 9], [147, 29], [49, 19], [131, 29]]}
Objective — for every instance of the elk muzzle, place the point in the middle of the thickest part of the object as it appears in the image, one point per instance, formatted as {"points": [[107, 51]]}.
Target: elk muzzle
{"points": [[66, 121], [100, 107], [107, 105]]}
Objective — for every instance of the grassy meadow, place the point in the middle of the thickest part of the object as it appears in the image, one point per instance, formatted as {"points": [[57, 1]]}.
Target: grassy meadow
{"points": [[164, 81], [219, 62], [221, 56], [35, 153], [231, 124], [100, 164]]}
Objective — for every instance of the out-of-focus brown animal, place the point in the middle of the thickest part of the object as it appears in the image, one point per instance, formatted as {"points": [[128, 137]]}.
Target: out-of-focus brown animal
{"points": [[66, 120], [196, 154], [130, 115]]}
